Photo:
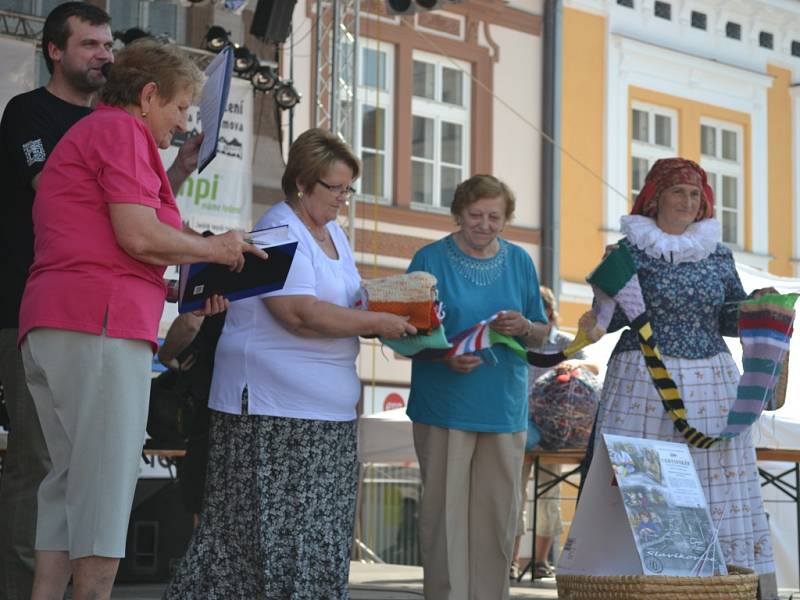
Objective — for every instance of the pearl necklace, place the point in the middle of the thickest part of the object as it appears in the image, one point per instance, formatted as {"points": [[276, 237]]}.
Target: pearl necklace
{"points": [[322, 239]]}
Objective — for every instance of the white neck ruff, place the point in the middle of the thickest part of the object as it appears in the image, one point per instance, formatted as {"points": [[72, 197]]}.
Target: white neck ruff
{"points": [[696, 243]]}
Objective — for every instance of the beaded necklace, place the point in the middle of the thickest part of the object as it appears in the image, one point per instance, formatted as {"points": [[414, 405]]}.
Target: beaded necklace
{"points": [[481, 272]]}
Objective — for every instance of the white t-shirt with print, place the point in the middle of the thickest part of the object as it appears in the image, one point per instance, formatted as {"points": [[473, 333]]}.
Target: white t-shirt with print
{"points": [[287, 375]]}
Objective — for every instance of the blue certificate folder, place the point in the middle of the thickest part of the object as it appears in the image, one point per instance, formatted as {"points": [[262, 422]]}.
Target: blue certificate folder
{"points": [[198, 281]]}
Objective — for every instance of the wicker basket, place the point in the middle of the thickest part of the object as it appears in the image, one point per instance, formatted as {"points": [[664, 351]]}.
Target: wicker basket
{"points": [[739, 584]]}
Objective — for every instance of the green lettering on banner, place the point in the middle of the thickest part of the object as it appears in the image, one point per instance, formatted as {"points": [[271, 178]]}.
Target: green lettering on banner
{"points": [[199, 189]]}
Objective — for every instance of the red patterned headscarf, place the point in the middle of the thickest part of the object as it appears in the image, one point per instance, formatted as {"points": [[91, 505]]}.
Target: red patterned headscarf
{"points": [[667, 172]]}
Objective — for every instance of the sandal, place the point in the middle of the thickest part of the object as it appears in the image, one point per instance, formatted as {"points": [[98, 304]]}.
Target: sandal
{"points": [[543, 571]]}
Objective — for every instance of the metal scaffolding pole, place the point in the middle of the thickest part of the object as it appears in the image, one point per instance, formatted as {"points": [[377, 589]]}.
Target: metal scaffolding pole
{"points": [[336, 84], [23, 26]]}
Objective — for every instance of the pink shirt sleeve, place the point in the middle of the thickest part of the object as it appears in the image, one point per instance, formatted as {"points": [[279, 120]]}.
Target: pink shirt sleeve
{"points": [[127, 175]]}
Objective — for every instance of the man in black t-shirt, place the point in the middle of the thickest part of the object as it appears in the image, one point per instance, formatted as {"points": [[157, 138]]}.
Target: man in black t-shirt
{"points": [[76, 43]]}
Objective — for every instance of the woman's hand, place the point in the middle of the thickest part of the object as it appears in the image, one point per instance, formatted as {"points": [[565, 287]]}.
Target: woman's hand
{"points": [[463, 364], [511, 323], [229, 248], [214, 305], [609, 249], [763, 292], [392, 326]]}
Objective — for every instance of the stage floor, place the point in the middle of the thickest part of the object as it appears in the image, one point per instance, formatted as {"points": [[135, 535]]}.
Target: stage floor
{"points": [[379, 582]]}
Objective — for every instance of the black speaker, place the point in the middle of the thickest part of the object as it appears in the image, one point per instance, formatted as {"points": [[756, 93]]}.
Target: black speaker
{"points": [[272, 20], [158, 533]]}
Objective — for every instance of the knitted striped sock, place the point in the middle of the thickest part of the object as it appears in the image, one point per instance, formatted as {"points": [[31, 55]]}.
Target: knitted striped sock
{"points": [[765, 328]]}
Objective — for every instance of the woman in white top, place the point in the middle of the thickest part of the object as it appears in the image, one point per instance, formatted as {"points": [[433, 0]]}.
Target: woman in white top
{"points": [[277, 521]]}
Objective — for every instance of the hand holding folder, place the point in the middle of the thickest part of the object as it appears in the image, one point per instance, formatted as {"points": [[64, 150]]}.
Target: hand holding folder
{"points": [[198, 281]]}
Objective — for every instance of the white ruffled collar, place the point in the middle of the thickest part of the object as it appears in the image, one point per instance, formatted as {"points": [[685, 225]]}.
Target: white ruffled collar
{"points": [[696, 243]]}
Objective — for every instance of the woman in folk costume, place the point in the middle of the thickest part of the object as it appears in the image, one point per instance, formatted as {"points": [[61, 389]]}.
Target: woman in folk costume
{"points": [[691, 292]]}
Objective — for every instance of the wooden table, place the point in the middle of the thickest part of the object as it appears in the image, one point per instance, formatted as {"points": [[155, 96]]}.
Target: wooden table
{"points": [[788, 482], [790, 487]]}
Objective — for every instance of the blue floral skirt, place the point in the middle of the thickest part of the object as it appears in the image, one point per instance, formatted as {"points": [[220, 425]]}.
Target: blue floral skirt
{"points": [[278, 512]]}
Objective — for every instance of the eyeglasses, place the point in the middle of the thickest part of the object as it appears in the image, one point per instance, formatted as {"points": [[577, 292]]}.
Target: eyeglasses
{"points": [[338, 190]]}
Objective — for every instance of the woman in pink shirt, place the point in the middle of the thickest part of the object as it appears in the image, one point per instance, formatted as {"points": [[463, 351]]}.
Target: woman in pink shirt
{"points": [[106, 224]]}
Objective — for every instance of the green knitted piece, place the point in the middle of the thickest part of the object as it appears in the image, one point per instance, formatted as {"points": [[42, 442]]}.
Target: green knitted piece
{"points": [[614, 272], [414, 344]]}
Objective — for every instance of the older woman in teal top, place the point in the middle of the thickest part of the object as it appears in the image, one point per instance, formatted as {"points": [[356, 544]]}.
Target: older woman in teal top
{"points": [[470, 412]]}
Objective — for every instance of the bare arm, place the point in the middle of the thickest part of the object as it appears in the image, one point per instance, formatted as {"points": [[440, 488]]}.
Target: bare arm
{"points": [[145, 238], [512, 323], [181, 333], [185, 163], [306, 316], [536, 334]]}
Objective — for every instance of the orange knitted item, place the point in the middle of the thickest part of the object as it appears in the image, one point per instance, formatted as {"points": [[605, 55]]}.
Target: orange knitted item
{"points": [[419, 313]]}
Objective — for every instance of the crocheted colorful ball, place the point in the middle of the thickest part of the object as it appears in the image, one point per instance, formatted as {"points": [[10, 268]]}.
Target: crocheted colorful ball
{"points": [[563, 405]]}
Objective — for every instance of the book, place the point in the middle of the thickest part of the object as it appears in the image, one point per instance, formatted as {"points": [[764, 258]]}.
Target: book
{"points": [[212, 104], [198, 281]]}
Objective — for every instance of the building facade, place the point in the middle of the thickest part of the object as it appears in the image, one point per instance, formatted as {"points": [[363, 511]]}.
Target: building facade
{"points": [[439, 95], [712, 81]]}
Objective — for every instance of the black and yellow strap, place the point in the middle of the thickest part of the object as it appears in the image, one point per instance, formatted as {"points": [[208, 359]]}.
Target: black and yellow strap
{"points": [[665, 386]]}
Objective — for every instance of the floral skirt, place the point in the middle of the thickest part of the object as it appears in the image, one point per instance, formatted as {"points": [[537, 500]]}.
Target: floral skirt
{"points": [[631, 406], [278, 512]]}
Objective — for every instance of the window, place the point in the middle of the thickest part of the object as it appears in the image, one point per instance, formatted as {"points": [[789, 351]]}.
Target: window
{"points": [[653, 136], [159, 17], [374, 123], [733, 30], [766, 40], [699, 20], [627, 3], [663, 10], [721, 157], [439, 129], [39, 8]]}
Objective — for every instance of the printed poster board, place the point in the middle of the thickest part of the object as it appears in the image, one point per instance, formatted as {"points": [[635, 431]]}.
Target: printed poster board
{"points": [[655, 516]]}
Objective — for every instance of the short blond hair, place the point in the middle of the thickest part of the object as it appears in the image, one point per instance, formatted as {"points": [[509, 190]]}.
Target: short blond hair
{"points": [[311, 156], [549, 302], [147, 60], [478, 187]]}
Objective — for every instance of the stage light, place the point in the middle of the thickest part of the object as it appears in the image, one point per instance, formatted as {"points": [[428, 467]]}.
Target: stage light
{"points": [[216, 39], [285, 95], [399, 7], [130, 35], [243, 60], [410, 7], [264, 78]]}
